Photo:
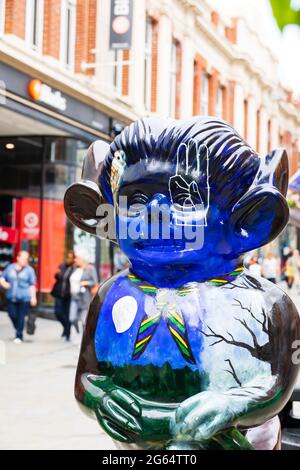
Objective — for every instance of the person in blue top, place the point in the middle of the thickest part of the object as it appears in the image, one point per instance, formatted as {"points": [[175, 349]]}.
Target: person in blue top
{"points": [[18, 279]]}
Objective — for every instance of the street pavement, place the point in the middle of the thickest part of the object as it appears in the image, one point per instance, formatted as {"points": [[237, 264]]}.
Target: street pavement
{"points": [[37, 406]]}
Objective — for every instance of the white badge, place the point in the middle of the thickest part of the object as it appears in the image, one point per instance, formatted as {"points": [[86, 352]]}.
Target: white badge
{"points": [[124, 312]]}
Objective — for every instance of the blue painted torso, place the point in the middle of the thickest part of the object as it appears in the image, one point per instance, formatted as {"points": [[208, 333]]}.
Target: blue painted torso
{"points": [[204, 311]]}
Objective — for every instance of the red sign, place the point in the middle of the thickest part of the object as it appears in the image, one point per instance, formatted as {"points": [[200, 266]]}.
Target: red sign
{"points": [[8, 235], [30, 219]]}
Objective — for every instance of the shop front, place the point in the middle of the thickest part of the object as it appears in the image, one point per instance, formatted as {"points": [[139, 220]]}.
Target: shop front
{"points": [[42, 148]]}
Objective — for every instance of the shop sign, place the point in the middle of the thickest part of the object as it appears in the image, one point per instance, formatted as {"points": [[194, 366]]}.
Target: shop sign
{"points": [[39, 91], [121, 24], [31, 226], [8, 235]]}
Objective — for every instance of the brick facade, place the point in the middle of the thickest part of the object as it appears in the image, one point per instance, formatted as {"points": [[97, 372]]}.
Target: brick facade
{"points": [[225, 103], [213, 89], [125, 74], [231, 32], [240, 103], [200, 66], [215, 18], [51, 34], [85, 34], [15, 13]]}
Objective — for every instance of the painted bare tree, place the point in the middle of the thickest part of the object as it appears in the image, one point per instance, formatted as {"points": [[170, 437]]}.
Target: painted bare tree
{"points": [[272, 325]]}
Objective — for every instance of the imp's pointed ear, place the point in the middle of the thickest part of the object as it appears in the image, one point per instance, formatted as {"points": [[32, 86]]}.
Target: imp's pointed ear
{"points": [[258, 218], [82, 199], [274, 171]]}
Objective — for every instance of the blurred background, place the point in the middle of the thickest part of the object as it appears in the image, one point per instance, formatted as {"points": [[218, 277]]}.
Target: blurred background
{"points": [[73, 71]]}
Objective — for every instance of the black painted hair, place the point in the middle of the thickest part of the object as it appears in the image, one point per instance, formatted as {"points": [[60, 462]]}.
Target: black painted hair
{"points": [[233, 163], [248, 187]]}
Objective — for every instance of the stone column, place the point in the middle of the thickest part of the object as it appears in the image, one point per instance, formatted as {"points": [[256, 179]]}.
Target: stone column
{"points": [[137, 57], [104, 57], [187, 82], [164, 65], [274, 133], [239, 118], [263, 150], [252, 109]]}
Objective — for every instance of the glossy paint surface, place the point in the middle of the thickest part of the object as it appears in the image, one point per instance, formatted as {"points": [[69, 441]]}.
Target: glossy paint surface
{"points": [[186, 350]]}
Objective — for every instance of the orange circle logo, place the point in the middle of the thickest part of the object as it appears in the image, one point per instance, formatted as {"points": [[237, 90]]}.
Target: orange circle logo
{"points": [[121, 25], [34, 89]]}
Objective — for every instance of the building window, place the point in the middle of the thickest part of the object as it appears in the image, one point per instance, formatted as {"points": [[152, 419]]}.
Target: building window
{"points": [[220, 102], [148, 64], [68, 32], [204, 95], [2, 17], [34, 24], [118, 71]]}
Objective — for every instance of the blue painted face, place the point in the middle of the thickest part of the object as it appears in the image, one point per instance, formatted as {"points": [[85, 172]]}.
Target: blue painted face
{"points": [[164, 218], [191, 197]]}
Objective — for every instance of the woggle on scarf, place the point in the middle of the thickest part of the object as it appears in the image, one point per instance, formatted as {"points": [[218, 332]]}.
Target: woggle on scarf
{"points": [[186, 349]]}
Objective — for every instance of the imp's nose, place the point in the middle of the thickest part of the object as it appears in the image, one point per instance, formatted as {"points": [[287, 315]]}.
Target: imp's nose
{"points": [[159, 200], [158, 206]]}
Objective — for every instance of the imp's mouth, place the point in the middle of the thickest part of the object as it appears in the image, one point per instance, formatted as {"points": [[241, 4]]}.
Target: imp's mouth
{"points": [[161, 245]]}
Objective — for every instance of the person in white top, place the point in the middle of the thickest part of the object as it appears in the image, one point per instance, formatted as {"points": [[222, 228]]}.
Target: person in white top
{"points": [[254, 266], [270, 268], [82, 280]]}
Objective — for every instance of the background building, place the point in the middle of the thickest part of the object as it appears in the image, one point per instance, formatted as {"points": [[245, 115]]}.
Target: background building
{"points": [[62, 87]]}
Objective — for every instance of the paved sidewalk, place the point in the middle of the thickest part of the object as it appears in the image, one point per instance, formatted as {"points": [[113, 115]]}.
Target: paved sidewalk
{"points": [[37, 408]]}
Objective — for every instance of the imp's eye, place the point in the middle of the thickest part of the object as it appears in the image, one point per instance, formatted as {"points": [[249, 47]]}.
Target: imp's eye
{"points": [[138, 199], [137, 204]]}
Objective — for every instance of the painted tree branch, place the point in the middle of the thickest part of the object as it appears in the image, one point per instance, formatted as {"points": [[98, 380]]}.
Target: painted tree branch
{"points": [[232, 372], [263, 322]]}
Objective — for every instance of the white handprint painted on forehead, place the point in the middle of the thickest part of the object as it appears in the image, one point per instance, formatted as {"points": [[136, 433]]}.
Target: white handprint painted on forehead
{"points": [[192, 163]]}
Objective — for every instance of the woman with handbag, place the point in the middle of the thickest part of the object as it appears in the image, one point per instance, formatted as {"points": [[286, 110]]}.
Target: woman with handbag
{"points": [[62, 293], [82, 282], [18, 279]]}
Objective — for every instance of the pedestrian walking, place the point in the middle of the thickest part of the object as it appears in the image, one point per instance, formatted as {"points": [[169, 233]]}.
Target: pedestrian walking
{"points": [[121, 261], [62, 293], [18, 279], [254, 266], [82, 281], [292, 266], [270, 267]]}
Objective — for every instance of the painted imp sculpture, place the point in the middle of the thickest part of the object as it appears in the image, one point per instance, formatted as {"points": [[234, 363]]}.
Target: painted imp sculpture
{"points": [[186, 349]]}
